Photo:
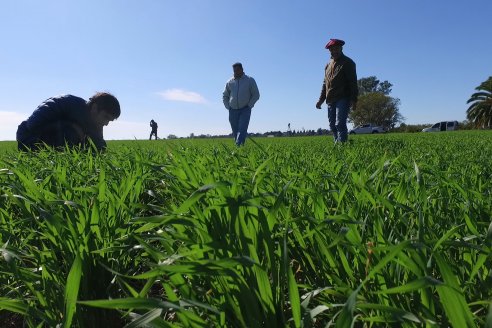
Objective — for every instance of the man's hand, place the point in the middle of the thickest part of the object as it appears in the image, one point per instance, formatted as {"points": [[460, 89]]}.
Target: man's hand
{"points": [[318, 104]]}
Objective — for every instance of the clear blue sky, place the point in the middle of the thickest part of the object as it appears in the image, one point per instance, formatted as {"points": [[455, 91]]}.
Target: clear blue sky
{"points": [[169, 60]]}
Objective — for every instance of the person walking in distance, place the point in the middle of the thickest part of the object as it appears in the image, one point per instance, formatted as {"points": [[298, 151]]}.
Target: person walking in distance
{"points": [[239, 97], [339, 89], [153, 125]]}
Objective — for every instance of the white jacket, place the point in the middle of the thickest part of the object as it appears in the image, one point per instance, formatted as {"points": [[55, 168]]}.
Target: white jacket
{"points": [[241, 92]]}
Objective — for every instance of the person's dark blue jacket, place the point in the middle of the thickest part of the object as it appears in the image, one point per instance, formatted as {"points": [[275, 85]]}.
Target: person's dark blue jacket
{"points": [[59, 121]]}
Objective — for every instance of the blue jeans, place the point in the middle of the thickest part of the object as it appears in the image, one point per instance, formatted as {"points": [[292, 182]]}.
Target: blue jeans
{"points": [[337, 117], [239, 119]]}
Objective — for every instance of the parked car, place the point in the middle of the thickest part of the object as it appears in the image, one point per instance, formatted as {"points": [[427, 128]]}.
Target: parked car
{"points": [[442, 126], [367, 128]]}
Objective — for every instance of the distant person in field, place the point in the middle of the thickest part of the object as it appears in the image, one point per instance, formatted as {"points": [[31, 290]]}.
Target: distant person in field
{"points": [[239, 97], [68, 120], [153, 126], [339, 89]]}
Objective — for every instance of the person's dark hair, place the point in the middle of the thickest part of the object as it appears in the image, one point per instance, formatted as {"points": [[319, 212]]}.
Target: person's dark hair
{"points": [[106, 102], [237, 65]]}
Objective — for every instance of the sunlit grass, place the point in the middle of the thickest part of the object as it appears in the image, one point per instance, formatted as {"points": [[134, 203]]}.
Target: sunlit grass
{"points": [[386, 230]]}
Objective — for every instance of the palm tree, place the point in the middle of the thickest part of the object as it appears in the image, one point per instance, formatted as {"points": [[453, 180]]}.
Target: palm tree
{"points": [[480, 111]]}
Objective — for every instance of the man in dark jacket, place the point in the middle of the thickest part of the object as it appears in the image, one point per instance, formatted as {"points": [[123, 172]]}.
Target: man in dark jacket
{"points": [[153, 126], [339, 89], [68, 121]]}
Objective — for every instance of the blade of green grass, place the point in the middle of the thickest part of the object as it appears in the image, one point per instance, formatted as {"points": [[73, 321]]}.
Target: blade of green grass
{"points": [[72, 290]]}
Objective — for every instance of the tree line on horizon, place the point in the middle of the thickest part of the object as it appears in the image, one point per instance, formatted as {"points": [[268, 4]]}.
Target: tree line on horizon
{"points": [[376, 106]]}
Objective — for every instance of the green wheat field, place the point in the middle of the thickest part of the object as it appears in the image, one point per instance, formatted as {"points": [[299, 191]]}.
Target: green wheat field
{"points": [[386, 231]]}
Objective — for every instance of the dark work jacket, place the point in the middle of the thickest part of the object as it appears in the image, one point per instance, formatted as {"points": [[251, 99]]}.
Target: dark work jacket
{"points": [[340, 81], [59, 121]]}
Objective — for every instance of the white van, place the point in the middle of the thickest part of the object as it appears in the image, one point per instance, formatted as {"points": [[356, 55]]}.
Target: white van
{"points": [[442, 126]]}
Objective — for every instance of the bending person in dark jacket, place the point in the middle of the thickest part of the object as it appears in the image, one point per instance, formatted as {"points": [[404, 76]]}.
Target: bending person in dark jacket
{"points": [[68, 120]]}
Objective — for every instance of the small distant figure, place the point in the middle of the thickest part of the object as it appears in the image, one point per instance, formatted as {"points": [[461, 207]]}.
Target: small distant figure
{"points": [[70, 121], [239, 96], [339, 89], [153, 125]]}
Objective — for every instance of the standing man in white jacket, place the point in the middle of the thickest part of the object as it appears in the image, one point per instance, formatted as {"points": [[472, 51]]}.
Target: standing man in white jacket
{"points": [[239, 96]]}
